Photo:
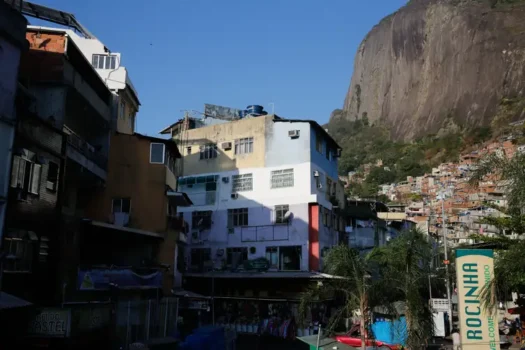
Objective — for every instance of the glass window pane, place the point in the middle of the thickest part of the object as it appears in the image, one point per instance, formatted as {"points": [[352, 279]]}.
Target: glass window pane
{"points": [[101, 62], [108, 62], [113, 62], [94, 61], [157, 153]]}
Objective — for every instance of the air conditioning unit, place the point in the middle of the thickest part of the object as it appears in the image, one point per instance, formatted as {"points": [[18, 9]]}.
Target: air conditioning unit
{"points": [[226, 145], [226, 179], [52, 186], [316, 173], [320, 186], [293, 133], [195, 236], [235, 195]]}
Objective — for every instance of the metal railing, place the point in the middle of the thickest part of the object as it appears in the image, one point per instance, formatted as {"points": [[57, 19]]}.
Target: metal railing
{"points": [[142, 320], [265, 233], [85, 148]]}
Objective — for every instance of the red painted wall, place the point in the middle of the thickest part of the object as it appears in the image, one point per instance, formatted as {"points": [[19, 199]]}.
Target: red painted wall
{"points": [[313, 237]]}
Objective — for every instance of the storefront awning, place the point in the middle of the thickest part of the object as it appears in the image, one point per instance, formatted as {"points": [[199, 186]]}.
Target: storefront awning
{"points": [[8, 301], [127, 229], [179, 199]]}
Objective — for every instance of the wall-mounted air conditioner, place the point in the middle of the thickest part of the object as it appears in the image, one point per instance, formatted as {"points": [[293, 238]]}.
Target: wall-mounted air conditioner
{"points": [[226, 179], [293, 133], [235, 195], [316, 173], [226, 146]]}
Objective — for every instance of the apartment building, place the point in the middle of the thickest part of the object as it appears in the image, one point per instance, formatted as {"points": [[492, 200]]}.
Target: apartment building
{"points": [[12, 45], [261, 186]]}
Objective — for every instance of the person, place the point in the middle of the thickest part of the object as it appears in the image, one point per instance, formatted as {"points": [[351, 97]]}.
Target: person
{"points": [[456, 339]]}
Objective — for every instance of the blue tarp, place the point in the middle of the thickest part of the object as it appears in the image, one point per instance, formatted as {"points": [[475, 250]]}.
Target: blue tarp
{"points": [[99, 279], [391, 332], [205, 338]]}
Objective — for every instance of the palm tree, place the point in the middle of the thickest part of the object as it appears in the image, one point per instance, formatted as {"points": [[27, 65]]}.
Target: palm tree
{"points": [[352, 281], [404, 266], [509, 269]]}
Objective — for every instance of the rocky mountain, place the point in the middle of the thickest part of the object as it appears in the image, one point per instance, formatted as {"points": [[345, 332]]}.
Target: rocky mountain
{"points": [[438, 64]]}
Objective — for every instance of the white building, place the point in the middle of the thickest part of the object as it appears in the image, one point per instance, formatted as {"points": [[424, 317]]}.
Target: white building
{"points": [[109, 67], [262, 187]]}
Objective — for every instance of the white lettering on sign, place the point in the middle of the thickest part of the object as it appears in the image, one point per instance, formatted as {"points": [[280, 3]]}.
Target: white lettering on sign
{"points": [[50, 323]]}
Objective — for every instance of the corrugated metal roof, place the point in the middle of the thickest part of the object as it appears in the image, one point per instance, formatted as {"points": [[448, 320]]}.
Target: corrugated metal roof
{"points": [[267, 274], [8, 301]]}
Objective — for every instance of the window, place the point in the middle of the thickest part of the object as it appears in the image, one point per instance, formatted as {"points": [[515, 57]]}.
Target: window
{"points": [[244, 146], [236, 256], [208, 151], [201, 219], [328, 186], [280, 210], [237, 217], [156, 153], [318, 143], [122, 109], [21, 244], [282, 178], [25, 175], [290, 258], [242, 183], [104, 61], [272, 255], [52, 176], [327, 152], [121, 205], [199, 256]]}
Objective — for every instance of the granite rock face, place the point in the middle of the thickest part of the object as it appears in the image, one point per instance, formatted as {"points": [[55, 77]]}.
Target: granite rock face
{"points": [[437, 61]]}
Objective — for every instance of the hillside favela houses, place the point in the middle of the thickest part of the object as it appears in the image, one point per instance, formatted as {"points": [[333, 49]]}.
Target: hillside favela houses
{"points": [[259, 217], [91, 232]]}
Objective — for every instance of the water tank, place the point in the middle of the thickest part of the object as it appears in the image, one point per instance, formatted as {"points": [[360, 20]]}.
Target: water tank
{"points": [[255, 110]]}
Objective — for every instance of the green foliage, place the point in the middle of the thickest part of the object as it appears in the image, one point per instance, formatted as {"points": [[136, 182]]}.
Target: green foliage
{"points": [[405, 266]]}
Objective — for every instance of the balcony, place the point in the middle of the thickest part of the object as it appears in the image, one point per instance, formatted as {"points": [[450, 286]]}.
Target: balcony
{"points": [[85, 154], [264, 233]]}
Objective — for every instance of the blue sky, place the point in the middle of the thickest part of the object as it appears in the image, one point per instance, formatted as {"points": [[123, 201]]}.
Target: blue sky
{"points": [[296, 54]]}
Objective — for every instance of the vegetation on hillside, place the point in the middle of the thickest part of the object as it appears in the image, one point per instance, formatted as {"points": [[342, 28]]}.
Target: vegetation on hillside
{"points": [[366, 143]]}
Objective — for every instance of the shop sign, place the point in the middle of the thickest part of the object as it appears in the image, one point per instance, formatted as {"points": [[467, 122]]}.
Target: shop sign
{"points": [[50, 322], [478, 326]]}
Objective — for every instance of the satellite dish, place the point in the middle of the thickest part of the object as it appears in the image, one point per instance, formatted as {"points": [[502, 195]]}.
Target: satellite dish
{"points": [[288, 216]]}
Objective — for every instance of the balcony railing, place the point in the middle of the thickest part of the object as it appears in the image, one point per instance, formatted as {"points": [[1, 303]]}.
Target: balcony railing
{"points": [[86, 149], [265, 233]]}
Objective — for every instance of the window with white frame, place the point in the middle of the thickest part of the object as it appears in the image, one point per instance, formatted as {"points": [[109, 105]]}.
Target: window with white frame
{"points": [[21, 245], [208, 151], [121, 205], [156, 153], [282, 178], [244, 145], [237, 217], [243, 182], [104, 61], [25, 174], [280, 211], [272, 255]]}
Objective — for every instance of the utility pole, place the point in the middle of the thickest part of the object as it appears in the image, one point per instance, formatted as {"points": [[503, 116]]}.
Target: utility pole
{"points": [[449, 301]]}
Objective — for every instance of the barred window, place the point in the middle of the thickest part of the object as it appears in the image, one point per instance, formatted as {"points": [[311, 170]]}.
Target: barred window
{"points": [[237, 217], [242, 182], [282, 178], [208, 151], [244, 146], [280, 210]]}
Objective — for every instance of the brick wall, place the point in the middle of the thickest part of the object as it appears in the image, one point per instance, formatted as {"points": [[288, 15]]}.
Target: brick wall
{"points": [[45, 59]]}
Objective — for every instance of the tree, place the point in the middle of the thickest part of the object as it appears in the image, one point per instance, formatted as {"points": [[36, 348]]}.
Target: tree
{"points": [[511, 174], [405, 267], [354, 285]]}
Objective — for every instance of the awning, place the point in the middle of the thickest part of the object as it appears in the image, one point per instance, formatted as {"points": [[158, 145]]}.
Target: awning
{"points": [[179, 199], [127, 229], [188, 294], [8, 301], [326, 343]]}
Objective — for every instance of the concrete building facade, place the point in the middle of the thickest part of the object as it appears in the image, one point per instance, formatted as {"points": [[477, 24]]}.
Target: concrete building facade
{"points": [[261, 187]]}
